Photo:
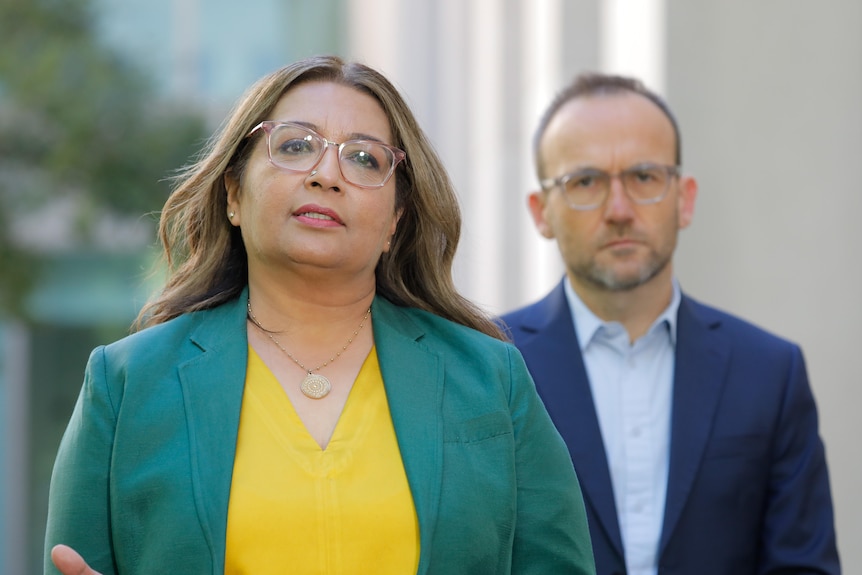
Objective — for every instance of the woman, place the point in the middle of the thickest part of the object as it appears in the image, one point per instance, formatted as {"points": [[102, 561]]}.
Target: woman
{"points": [[311, 394]]}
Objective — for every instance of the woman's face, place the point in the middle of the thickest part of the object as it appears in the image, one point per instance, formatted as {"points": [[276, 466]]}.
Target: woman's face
{"points": [[314, 222]]}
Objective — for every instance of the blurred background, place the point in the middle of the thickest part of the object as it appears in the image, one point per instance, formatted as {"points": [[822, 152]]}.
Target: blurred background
{"points": [[100, 100]]}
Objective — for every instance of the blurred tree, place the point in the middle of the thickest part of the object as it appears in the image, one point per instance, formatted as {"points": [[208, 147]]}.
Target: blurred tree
{"points": [[78, 126]]}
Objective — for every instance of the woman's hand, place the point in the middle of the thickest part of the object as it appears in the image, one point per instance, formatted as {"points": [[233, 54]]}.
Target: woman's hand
{"points": [[69, 562]]}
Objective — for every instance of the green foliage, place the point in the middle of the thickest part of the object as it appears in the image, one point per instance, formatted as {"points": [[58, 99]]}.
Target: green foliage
{"points": [[76, 120]]}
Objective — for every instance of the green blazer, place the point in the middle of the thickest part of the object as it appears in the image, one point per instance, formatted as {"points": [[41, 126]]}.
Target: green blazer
{"points": [[143, 473]]}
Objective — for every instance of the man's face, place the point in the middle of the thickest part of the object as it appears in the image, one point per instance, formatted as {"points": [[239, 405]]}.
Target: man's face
{"points": [[619, 245]]}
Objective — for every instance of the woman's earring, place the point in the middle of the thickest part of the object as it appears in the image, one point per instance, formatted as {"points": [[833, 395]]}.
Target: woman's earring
{"points": [[231, 215]]}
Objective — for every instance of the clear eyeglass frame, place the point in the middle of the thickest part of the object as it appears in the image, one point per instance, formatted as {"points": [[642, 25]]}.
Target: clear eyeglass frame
{"points": [[393, 154], [656, 189]]}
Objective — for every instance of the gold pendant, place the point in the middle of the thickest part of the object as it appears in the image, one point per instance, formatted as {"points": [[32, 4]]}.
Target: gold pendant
{"points": [[315, 386]]}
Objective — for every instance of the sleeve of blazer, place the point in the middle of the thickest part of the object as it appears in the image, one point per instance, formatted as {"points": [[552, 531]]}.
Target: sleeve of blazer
{"points": [[551, 534], [798, 528], [78, 508]]}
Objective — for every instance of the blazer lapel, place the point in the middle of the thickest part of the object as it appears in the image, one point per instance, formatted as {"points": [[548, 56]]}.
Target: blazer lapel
{"points": [[212, 384], [555, 361], [413, 377], [701, 364]]}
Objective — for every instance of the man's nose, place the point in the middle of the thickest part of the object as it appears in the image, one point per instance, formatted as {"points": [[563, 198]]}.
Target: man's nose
{"points": [[618, 204]]}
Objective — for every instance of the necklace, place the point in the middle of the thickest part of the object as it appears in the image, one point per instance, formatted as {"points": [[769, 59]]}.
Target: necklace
{"points": [[314, 385]]}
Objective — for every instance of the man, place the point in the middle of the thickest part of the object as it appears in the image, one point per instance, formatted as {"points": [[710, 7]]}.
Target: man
{"points": [[694, 433]]}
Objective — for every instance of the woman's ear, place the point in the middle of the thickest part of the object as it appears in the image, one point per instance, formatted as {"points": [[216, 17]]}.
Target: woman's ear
{"points": [[231, 184], [393, 228]]}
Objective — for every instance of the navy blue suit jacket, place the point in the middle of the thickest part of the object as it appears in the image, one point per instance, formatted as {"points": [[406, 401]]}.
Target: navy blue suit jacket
{"points": [[748, 489]]}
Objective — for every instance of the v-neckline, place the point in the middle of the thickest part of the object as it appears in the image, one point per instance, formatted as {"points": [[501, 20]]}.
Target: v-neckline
{"points": [[290, 429]]}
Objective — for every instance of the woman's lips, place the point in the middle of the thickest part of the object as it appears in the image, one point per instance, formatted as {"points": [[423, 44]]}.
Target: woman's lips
{"points": [[318, 216]]}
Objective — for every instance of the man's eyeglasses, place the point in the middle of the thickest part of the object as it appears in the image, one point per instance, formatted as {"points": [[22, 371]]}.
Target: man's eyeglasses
{"points": [[588, 188], [363, 163]]}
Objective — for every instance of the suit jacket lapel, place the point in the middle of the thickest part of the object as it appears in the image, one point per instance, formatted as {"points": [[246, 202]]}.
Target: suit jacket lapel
{"points": [[701, 363], [212, 384], [413, 377], [555, 361]]}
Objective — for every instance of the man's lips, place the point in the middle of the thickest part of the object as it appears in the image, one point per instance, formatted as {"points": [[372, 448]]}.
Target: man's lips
{"points": [[621, 243], [311, 212]]}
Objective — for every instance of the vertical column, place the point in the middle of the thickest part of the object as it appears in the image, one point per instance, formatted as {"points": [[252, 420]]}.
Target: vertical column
{"points": [[450, 128], [543, 63], [484, 194], [633, 39], [373, 35]]}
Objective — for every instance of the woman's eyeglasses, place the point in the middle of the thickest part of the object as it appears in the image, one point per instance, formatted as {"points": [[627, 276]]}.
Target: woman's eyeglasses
{"points": [[363, 163]]}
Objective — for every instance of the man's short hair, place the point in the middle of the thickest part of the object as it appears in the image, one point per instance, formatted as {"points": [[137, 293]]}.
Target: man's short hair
{"points": [[596, 84]]}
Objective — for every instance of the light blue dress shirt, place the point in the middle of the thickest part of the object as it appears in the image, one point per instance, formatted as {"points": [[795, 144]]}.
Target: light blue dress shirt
{"points": [[632, 385]]}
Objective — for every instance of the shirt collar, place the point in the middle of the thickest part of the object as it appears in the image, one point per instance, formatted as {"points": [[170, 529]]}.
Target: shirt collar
{"points": [[587, 323]]}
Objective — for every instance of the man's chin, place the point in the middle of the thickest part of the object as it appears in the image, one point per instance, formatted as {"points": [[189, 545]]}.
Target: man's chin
{"points": [[616, 280], [623, 284]]}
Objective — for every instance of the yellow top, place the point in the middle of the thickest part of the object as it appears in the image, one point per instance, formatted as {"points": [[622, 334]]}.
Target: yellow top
{"points": [[297, 508]]}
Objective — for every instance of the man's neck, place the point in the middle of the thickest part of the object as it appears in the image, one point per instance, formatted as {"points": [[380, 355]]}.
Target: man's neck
{"points": [[636, 309]]}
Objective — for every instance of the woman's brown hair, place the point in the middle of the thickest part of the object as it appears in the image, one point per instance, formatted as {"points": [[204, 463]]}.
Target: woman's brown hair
{"points": [[205, 256]]}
